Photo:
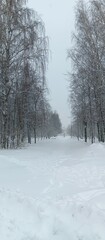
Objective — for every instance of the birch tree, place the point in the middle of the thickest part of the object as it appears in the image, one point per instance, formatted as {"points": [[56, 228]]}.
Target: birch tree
{"points": [[87, 79], [23, 59]]}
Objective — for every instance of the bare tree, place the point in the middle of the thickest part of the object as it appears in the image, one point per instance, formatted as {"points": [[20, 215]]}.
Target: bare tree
{"points": [[87, 79], [23, 60]]}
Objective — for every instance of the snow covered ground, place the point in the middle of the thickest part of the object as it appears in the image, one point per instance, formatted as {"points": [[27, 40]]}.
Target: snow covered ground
{"points": [[54, 190]]}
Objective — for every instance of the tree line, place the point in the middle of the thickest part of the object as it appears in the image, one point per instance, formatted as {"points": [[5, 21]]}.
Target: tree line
{"points": [[87, 79], [24, 109]]}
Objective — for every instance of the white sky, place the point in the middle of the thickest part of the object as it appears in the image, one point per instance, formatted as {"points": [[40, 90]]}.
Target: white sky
{"points": [[58, 16]]}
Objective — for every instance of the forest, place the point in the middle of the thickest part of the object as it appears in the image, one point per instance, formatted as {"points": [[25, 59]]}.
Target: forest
{"points": [[25, 112], [87, 78]]}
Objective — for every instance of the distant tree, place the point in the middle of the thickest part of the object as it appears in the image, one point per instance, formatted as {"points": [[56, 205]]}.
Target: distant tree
{"points": [[55, 126]]}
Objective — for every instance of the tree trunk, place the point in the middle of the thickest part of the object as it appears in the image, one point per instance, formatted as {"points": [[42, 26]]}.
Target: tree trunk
{"points": [[85, 131]]}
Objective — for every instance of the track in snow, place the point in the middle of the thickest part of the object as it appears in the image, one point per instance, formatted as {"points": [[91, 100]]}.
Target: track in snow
{"points": [[53, 190]]}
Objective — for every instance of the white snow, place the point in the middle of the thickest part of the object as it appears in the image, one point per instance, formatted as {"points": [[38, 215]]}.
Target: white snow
{"points": [[54, 190]]}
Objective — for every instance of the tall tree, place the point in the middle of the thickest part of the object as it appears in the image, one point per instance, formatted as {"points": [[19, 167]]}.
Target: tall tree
{"points": [[87, 78], [23, 60]]}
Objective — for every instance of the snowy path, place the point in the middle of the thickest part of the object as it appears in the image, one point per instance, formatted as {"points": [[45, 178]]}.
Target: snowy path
{"points": [[54, 190]]}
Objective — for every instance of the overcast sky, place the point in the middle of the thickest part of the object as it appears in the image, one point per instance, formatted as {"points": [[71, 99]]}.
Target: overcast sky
{"points": [[58, 16]]}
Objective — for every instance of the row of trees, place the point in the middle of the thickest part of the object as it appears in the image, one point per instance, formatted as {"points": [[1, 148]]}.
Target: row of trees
{"points": [[87, 80], [24, 111], [54, 126]]}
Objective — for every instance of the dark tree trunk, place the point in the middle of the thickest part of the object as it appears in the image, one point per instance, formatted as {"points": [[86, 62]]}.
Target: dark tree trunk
{"points": [[85, 131]]}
